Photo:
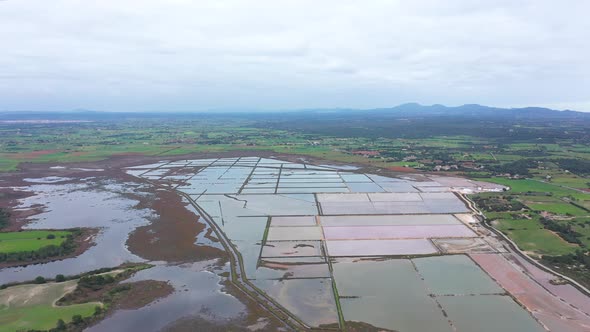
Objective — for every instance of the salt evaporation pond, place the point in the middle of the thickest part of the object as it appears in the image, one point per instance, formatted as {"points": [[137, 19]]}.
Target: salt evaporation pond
{"points": [[289, 222]]}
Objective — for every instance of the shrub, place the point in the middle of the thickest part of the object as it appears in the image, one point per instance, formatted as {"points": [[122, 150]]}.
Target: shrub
{"points": [[77, 320], [97, 310], [4, 217], [61, 325]]}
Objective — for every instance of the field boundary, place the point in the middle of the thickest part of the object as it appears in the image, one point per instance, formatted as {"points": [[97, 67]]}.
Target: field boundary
{"points": [[517, 250]]}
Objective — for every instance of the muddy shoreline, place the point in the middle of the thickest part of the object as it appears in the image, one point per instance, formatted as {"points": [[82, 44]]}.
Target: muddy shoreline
{"points": [[170, 237], [116, 162], [172, 232]]}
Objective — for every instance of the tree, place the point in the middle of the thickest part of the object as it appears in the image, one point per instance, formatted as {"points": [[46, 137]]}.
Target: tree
{"points": [[97, 310], [4, 217], [61, 325], [39, 280], [50, 236], [77, 319], [60, 278]]}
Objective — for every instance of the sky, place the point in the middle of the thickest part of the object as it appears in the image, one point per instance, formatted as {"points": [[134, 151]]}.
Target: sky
{"points": [[176, 55]]}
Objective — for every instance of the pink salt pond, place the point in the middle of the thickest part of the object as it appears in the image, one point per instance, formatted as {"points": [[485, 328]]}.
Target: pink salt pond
{"points": [[351, 248], [550, 310], [396, 232]]}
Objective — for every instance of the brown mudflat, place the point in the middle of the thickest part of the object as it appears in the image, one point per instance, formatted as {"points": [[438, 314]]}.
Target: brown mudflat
{"points": [[143, 293], [119, 295], [171, 236]]}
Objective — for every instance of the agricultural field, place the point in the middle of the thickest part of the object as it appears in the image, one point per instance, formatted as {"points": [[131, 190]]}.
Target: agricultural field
{"points": [[530, 234], [546, 220], [11, 242], [293, 224], [486, 155]]}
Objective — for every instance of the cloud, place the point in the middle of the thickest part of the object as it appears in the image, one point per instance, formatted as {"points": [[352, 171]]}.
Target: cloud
{"points": [[196, 55]]}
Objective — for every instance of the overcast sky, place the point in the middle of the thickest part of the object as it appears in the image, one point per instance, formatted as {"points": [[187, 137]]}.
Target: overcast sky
{"points": [[134, 55]]}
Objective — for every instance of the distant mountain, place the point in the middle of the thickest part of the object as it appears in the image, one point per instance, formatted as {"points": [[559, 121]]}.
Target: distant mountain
{"points": [[408, 110], [475, 110]]}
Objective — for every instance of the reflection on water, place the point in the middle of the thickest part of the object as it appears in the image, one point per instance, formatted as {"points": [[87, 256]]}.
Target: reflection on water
{"points": [[110, 206], [197, 294], [100, 205]]}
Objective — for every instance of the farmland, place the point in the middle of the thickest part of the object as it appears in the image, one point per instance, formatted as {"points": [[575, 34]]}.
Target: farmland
{"points": [[292, 218], [531, 148], [30, 240]]}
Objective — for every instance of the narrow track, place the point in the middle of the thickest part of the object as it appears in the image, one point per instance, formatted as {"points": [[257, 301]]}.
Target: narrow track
{"points": [[238, 275], [519, 252]]}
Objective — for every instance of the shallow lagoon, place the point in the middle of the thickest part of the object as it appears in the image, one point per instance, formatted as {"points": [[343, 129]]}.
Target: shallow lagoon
{"points": [[67, 206], [198, 293]]}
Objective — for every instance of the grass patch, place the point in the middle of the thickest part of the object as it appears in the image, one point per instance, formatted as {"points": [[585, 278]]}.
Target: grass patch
{"points": [[558, 208], [7, 165], [507, 225], [42, 317], [28, 307], [11, 242], [526, 186], [541, 242]]}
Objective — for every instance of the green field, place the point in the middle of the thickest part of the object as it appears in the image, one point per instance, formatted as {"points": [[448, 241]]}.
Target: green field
{"points": [[555, 175], [27, 307], [552, 158], [558, 208], [30, 240], [541, 242], [506, 225], [526, 185], [531, 236], [539, 197]]}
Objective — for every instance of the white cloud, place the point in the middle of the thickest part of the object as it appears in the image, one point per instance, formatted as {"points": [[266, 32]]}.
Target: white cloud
{"points": [[195, 55]]}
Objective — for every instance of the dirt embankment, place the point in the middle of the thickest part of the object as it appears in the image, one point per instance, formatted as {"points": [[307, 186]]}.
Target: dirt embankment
{"points": [[172, 235]]}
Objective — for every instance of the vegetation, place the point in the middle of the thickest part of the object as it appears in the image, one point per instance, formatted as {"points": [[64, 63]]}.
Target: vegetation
{"points": [[95, 282], [12, 242], [578, 166], [575, 265], [31, 307], [516, 168], [543, 157], [52, 306], [4, 218], [499, 203], [28, 246]]}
